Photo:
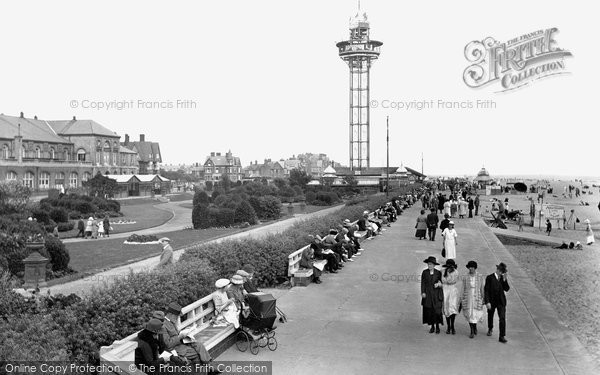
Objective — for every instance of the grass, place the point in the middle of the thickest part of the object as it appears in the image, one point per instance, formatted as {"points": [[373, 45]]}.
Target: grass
{"points": [[145, 216], [570, 281], [97, 255]]}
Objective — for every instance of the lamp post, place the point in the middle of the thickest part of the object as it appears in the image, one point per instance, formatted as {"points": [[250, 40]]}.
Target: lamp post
{"points": [[387, 184]]}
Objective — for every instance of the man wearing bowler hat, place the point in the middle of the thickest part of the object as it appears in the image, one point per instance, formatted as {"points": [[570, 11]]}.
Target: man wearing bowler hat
{"points": [[495, 286]]}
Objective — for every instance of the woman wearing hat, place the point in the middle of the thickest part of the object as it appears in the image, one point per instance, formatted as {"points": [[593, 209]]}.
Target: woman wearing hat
{"points": [[237, 293], [432, 295], [449, 234], [472, 297], [451, 302], [226, 311], [146, 353], [589, 239], [421, 225]]}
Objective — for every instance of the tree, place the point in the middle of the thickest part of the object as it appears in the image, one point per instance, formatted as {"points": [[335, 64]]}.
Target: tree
{"points": [[13, 197], [200, 197], [225, 182], [209, 185], [245, 213], [101, 186], [299, 178]]}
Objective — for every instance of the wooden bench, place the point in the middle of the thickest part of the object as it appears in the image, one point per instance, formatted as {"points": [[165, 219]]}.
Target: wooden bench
{"points": [[297, 275], [216, 339]]}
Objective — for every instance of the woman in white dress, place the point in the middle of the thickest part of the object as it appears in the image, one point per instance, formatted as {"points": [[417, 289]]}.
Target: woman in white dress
{"points": [[226, 311], [100, 228], [451, 300], [447, 208], [589, 239], [472, 297], [449, 234]]}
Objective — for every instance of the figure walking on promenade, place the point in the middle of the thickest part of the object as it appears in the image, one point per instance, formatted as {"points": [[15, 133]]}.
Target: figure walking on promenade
{"points": [[462, 208], [450, 242], [495, 286], [589, 233], [451, 300], [471, 206], [432, 295], [166, 257], [472, 297], [477, 203], [447, 209], [432, 223], [421, 226]]}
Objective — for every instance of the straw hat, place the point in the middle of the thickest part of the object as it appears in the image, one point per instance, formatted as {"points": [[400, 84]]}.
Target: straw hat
{"points": [[242, 273], [222, 283], [237, 280]]}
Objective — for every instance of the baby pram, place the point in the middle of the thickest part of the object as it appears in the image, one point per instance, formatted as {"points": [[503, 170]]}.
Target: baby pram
{"points": [[258, 330]]}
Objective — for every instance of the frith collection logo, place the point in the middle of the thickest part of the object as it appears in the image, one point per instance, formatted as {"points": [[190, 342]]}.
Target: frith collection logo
{"points": [[515, 63]]}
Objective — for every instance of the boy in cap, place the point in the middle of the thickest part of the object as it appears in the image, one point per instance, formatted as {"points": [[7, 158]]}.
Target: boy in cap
{"points": [[494, 298]]}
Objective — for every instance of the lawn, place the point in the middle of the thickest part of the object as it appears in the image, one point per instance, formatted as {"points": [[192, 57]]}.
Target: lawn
{"points": [[570, 281], [146, 215], [97, 255]]}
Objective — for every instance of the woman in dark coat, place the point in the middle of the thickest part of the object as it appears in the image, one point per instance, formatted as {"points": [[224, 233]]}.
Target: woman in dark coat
{"points": [[307, 261], [146, 353], [432, 295], [421, 225]]}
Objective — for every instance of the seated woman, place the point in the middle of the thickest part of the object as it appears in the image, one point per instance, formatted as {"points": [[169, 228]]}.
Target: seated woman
{"points": [[226, 311], [320, 254], [146, 353], [307, 261]]}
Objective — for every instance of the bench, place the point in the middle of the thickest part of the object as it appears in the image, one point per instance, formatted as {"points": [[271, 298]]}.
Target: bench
{"points": [[216, 339], [297, 275]]}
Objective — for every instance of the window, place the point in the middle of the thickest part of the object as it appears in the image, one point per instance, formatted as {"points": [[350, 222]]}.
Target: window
{"points": [[81, 155], [59, 179], [114, 158], [97, 157], [51, 153], [28, 180], [73, 179], [22, 151], [11, 176], [44, 180], [216, 170], [5, 152], [38, 153], [86, 176], [66, 152]]}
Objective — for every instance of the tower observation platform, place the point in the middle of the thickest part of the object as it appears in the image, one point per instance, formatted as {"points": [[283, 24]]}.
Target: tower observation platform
{"points": [[359, 52]]}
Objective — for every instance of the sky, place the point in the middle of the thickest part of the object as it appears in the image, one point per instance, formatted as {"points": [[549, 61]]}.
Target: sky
{"points": [[264, 80]]}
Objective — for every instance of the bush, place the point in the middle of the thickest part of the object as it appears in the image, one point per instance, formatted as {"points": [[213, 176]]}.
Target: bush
{"points": [[65, 227], [143, 238], [267, 207], [59, 214], [200, 197], [75, 215], [201, 217], [225, 217], [245, 213], [41, 214], [310, 196], [59, 255]]}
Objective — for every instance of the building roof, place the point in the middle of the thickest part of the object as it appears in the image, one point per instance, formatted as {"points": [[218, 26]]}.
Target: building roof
{"points": [[329, 170], [125, 150], [81, 127], [31, 129], [221, 160], [122, 178], [147, 177], [415, 173], [483, 172], [145, 149]]}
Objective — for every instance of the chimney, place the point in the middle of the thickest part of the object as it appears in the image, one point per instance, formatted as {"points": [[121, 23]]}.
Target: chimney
{"points": [[212, 154], [218, 154], [19, 146], [74, 118], [35, 117], [126, 139], [142, 138], [22, 115]]}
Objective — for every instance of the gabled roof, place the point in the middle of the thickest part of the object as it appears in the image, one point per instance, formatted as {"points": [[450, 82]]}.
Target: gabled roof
{"points": [[147, 177], [221, 161], [122, 178], [125, 150], [31, 130], [414, 172], [145, 149], [81, 127], [329, 170]]}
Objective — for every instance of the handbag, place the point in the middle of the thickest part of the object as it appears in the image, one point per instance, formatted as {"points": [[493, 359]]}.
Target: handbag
{"points": [[443, 252]]}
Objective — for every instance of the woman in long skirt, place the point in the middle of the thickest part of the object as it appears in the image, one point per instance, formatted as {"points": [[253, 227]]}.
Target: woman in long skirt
{"points": [[589, 234], [472, 297], [449, 234], [451, 301], [421, 225], [432, 295], [226, 311]]}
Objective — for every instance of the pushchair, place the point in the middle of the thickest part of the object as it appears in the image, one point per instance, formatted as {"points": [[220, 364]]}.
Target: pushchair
{"points": [[257, 330]]}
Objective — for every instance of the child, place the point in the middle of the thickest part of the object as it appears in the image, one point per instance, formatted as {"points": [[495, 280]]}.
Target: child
{"points": [[548, 226]]}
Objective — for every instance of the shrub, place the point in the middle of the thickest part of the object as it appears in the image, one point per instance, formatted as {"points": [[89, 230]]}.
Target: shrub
{"points": [[201, 218], [267, 207], [143, 238], [41, 214], [59, 214], [59, 255], [310, 196], [225, 217], [245, 213], [65, 227], [200, 197], [74, 215], [85, 207]]}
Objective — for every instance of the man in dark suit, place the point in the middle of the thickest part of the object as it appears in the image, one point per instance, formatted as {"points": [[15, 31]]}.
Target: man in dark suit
{"points": [[495, 286], [432, 223]]}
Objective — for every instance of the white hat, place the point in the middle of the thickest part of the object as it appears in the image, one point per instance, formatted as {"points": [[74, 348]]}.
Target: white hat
{"points": [[237, 280], [587, 221], [164, 239], [451, 222], [221, 283], [189, 339]]}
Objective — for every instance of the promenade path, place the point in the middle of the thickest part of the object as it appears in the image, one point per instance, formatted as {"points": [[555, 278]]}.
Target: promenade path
{"points": [[85, 285], [367, 318]]}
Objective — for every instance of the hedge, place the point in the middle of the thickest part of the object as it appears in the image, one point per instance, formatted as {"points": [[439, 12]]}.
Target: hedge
{"points": [[269, 255]]}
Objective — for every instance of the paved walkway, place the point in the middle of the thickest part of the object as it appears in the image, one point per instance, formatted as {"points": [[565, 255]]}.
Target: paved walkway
{"points": [[86, 284], [367, 318], [539, 238]]}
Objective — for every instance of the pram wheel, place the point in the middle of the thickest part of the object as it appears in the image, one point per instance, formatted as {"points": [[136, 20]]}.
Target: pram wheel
{"points": [[254, 347], [272, 343], [242, 341], [263, 341]]}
